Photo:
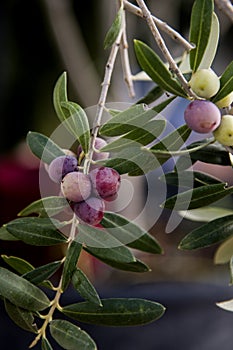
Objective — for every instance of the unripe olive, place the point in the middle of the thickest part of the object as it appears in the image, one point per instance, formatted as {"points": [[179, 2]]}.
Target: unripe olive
{"points": [[205, 83], [224, 133]]}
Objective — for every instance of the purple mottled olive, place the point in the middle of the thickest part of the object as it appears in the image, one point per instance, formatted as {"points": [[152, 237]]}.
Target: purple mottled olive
{"points": [[90, 211], [99, 143], [202, 116], [61, 166], [105, 181], [76, 186]]}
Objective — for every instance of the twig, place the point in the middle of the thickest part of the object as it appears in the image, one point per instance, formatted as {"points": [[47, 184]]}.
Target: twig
{"points": [[225, 6], [125, 59], [161, 25], [161, 44], [102, 100]]}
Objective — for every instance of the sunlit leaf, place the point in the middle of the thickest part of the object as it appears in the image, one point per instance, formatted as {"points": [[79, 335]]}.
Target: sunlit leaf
{"points": [[22, 318], [224, 252], [116, 312], [198, 197], [43, 147], [36, 231], [70, 263], [226, 83], [130, 234], [151, 63], [70, 337], [114, 30], [20, 292], [47, 206], [210, 233], [205, 214], [60, 95], [200, 28], [85, 288], [226, 305]]}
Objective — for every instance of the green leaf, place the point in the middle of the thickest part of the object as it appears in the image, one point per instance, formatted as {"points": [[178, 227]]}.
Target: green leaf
{"points": [[213, 154], [45, 345], [5, 235], [198, 197], [135, 161], [114, 30], [156, 69], [135, 116], [224, 252], [205, 214], [226, 83], [41, 273], [47, 206], [60, 95], [117, 254], [130, 234], [85, 288], [70, 263], [212, 44], [211, 233], [18, 264], [189, 178], [116, 312], [136, 266], [77, 123], [20, 292], [200, 28], [37, 231], [95, 237], [70, 337], [43, 147], [137, 137], [23, 318]]}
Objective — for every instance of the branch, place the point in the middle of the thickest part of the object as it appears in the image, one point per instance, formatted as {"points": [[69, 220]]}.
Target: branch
{"points": [[161, 44], [226, 7], [161, 25], [125, 59]]}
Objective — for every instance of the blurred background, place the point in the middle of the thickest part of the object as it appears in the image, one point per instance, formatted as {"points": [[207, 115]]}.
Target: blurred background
{"points": [[38, 41]]}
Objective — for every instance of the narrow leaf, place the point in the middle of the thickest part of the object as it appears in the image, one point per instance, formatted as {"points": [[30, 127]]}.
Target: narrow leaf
{"points": [[70, 264], [226, 305], [153, 95], [137, 137], [205, 214], [70, 337], [114, 30], [43, 147], [22, 318], [77, 123], [151, 64], [200, 28], [224, 252], [117, 254], [211, 233], [47, 206], [130, 234], [5, 235], [116, 312], [198, 197], [45, 345], [60, 95], [136, 266], [20, 292], [37, 231], [226, 83], [135, 116], [85, 288], [18, 264], [42, 273]]}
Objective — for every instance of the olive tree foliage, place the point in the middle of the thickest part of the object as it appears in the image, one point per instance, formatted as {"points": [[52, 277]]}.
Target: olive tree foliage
{"points": [[135, 145]]}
